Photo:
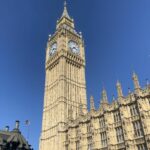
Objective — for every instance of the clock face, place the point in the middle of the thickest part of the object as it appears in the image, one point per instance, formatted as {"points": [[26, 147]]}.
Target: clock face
{"points": [[53, 48], [74, 47]]}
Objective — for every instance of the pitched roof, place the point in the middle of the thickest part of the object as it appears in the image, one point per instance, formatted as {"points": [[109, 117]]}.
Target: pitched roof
{"points": [[14, 136]]}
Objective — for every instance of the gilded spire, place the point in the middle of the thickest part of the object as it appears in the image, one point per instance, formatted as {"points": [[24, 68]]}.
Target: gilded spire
{"points": [[135, 81], [119, 89], [92, 103], [65, 12]]}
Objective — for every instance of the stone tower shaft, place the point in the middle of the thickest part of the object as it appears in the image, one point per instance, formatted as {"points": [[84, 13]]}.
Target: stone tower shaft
{"points": [[65, 87]]}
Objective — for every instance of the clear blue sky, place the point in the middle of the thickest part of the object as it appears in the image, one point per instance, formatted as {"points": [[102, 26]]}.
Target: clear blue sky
{"points": [[117, 39]]}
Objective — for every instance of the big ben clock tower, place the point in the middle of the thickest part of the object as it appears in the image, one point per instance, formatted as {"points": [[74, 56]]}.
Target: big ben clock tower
{"points": [[65, 87]]}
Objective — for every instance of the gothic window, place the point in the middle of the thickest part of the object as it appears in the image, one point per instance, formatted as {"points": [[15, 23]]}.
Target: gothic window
{"points": [[89, 143], [102, 122], [137, 128], [103, 139], [119, 134], [117, 117], [133, 110], [141, 147]]}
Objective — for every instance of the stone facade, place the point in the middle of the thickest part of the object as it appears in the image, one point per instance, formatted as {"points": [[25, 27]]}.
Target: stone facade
{"points": [[67, 124], [122, 125]]}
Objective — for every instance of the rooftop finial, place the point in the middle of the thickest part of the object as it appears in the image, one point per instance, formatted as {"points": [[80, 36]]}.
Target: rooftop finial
{"points": [[65, 3]]}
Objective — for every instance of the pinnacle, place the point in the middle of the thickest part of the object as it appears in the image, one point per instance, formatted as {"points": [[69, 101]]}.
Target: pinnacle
{"points": [[118, 82], [134, 75], [65, 12]]}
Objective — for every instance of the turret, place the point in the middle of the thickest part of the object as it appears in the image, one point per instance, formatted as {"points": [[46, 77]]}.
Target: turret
{"points": [[119, 89], [104, 99], [136, 82], [92, 107]]}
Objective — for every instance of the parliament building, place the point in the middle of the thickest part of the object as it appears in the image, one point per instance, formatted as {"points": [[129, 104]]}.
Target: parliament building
{"points": [[67, 124]]}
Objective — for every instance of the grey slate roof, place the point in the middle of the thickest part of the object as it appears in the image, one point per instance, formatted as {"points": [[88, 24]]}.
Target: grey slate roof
{"points": [[14, 136]]}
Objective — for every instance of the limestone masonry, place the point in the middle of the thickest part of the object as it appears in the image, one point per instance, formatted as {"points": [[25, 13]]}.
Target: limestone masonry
{"points": [[67, 125]]}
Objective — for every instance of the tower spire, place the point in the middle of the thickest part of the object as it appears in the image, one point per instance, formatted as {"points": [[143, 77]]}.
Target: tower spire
{"points": [[65, 18], [65, 12]]}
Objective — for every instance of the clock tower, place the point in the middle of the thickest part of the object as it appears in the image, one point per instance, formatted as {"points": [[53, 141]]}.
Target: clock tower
{"points": [[65, 86]]}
